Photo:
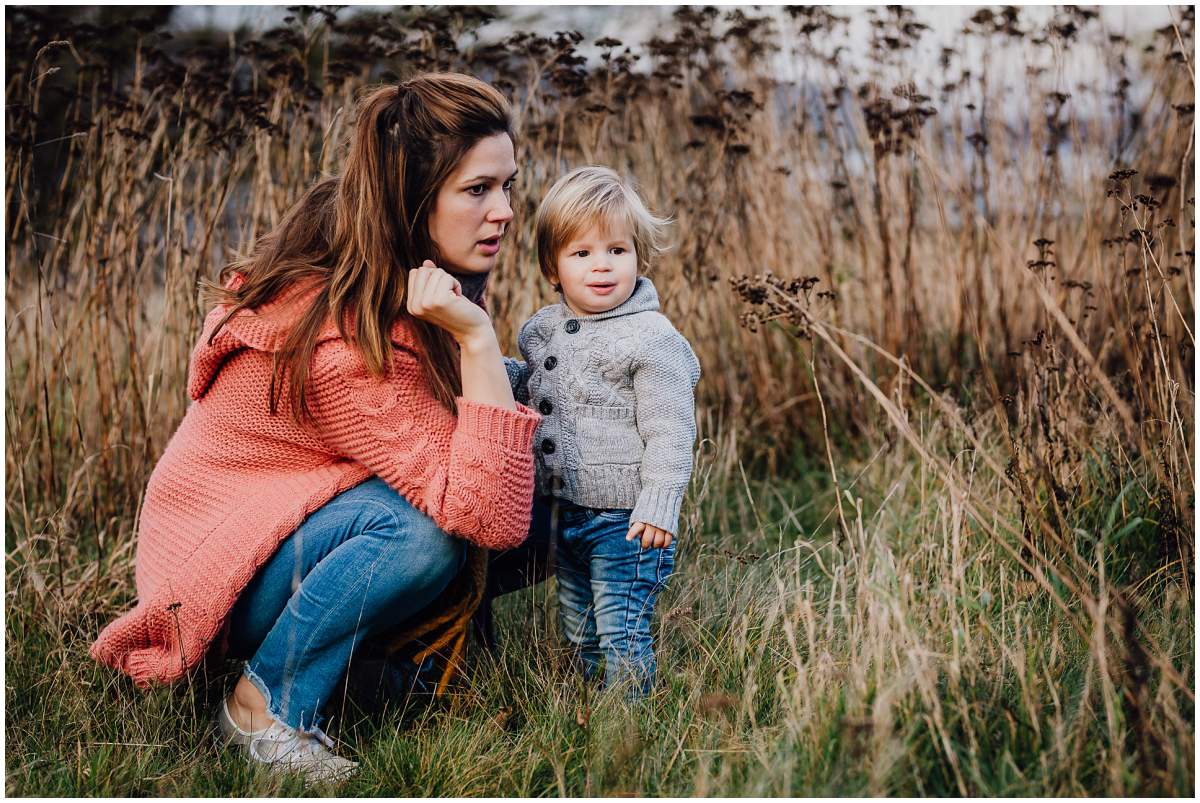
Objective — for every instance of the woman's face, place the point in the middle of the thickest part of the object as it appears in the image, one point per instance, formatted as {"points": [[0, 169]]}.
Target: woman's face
{"points": [[471, 212]]}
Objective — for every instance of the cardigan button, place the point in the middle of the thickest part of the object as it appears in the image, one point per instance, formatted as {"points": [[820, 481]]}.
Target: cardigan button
{"points": [[548, 446], [546, 407], [572, 326], [550, 363]]}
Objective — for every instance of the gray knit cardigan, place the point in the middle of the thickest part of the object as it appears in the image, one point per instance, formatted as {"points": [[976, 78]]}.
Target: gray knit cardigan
{"points": [[615, 391]]}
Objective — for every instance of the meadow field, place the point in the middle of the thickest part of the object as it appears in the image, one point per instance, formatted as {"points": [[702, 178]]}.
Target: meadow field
{"points": [[940, 534]]}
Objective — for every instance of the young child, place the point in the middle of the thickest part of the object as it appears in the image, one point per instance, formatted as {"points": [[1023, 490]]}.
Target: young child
{"points": [[613, 381]]}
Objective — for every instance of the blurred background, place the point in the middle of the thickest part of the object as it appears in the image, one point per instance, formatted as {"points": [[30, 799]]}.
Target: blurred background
{"points": [[937, 263]]}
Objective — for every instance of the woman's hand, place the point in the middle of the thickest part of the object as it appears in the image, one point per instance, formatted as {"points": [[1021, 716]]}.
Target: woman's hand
{"points": [[436, 296]]}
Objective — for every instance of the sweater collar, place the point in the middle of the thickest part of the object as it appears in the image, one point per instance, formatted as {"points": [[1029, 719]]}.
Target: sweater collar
{"points": [[264, 328], [644, 298]]}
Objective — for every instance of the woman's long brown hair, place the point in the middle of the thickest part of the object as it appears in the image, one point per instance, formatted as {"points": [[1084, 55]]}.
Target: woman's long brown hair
{"points": [[360, 233]]}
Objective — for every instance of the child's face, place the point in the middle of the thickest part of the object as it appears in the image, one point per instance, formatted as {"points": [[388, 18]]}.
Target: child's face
{"points": [[597, 268]]}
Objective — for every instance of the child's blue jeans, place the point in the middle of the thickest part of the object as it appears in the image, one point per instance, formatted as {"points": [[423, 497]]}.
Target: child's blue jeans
{"points": [[364, 561], [607, 588]]}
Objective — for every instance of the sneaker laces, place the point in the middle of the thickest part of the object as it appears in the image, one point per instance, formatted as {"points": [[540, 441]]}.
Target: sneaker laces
{"points": [[280, 742]]}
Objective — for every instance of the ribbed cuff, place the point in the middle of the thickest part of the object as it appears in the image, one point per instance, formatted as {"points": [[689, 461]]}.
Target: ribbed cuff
{"points": [[660, 507], [511, 429], [145, 666]]}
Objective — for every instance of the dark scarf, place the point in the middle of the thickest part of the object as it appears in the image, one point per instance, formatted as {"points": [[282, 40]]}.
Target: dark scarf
{"points": [[473, 285]]}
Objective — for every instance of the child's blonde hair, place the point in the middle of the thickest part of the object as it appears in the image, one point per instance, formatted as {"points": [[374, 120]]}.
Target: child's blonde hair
{"points": [[587, 195]]}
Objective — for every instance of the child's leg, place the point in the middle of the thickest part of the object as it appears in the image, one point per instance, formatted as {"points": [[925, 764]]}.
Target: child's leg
{"points": [[575, 610], [626, 581]]}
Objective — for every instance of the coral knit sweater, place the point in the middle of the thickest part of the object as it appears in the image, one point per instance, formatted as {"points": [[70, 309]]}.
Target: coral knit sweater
{"points": [[235, 481]]}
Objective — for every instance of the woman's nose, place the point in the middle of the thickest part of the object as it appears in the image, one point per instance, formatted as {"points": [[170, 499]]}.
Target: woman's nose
{"points": [[501, 211]]}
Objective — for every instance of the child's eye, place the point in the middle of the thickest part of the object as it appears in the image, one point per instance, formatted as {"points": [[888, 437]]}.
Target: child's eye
{"points": [[582, 252], [618, 250]]}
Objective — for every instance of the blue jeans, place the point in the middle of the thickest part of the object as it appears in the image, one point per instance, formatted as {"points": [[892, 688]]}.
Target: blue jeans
{"points": [[607, 587], [364, 562]]}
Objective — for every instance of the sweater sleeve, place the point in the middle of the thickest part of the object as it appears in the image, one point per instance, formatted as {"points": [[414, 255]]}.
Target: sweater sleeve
{"points": [[518, 378], [529, 334], [472, 474], [664, 377], [525, 337]]}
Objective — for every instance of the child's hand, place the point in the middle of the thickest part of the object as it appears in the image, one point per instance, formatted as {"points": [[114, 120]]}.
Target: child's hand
{"points": [[651, 536]]}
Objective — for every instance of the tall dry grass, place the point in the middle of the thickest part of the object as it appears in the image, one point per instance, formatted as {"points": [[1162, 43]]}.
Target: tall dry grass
{"points": [[994, 299]]}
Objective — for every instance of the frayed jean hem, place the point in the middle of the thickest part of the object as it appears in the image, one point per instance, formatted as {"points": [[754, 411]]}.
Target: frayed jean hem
{"points": [[272, 711]]}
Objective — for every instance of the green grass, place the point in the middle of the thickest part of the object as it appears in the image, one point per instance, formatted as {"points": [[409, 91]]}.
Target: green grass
{"points": [[910, 658]]}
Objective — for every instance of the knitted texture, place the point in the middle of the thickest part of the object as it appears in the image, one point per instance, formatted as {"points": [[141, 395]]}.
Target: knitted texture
{"points": [[616, 393], [235, 481]]}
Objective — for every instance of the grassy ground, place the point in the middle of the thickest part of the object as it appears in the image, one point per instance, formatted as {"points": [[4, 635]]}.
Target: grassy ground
{"points": [[909, 657]]}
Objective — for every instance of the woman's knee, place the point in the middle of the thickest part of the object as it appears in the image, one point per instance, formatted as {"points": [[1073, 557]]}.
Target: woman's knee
{"points": [[412, 556], [416, 555], [433, 555]]}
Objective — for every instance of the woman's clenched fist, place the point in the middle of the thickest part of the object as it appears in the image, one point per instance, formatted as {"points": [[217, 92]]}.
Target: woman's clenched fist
{"points": [[436, 296]]}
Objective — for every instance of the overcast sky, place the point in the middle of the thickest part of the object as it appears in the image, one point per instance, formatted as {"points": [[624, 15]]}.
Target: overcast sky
{"points": [[638, 22], [635, 24]]}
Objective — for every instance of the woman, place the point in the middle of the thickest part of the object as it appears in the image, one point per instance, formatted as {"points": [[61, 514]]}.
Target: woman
{"points": [[353, 427]]}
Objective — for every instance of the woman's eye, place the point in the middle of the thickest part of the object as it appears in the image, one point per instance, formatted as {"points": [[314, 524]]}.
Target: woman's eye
{"points": [[508, 185], [478, 189]]}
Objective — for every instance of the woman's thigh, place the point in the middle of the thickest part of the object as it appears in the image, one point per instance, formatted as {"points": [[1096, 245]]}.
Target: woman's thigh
{"points": [[371, 509]]}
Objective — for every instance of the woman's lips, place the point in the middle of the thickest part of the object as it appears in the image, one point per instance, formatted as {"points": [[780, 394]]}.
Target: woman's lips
{"points": [[489, 247]]}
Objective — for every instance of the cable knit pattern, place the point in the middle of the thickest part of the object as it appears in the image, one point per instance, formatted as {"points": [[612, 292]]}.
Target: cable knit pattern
{"points": [[235, 481], [518, 376], [616, 390]]}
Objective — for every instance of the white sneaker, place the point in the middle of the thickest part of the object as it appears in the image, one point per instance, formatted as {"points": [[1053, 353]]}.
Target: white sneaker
{"points": [[286, 749], [230, 730]]}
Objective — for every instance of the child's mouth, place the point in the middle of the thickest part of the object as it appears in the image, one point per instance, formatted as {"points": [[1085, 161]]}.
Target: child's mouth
{"points": [[602, 289]]}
